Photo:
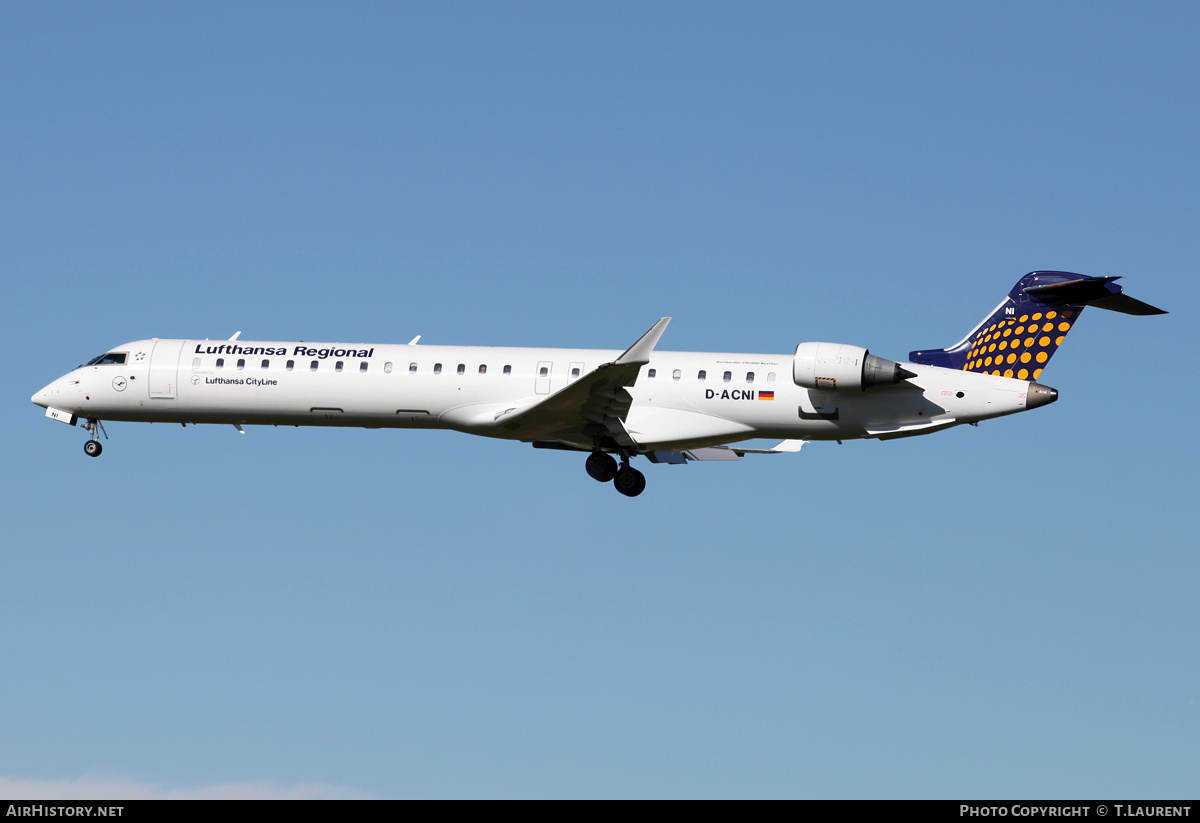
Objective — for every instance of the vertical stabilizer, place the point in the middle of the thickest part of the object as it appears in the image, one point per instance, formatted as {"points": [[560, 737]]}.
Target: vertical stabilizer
{"points": [[1021, 335]]}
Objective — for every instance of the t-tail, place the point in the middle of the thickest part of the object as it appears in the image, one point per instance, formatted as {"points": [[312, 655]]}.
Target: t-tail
{"points": [[1021, 335]]}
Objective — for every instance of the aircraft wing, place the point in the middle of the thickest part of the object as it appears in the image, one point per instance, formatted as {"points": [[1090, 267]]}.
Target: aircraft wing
{"points": [[594, 406], [722, 452]]}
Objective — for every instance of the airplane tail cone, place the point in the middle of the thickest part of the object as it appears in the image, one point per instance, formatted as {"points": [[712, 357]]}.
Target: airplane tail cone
{"points": [[1039, 395]]}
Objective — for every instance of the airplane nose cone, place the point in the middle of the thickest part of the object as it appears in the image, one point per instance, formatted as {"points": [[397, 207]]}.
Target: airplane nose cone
{"points": [[63, 393], [1039, 395]]}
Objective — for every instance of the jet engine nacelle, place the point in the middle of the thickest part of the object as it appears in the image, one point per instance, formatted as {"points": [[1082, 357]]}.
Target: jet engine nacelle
{"points": [[840, 367]]}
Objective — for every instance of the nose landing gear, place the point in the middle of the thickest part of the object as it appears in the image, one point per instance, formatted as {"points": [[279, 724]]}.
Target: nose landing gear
{"points": [[92, 448]]}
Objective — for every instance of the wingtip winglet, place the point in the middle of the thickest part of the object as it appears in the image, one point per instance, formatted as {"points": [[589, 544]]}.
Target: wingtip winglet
{"points": [[639, 352]]}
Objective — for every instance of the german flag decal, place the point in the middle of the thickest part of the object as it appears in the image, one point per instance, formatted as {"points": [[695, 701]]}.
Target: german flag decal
{"points": [[766, 395]]}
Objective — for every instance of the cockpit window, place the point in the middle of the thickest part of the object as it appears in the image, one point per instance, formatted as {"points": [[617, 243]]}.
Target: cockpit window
{"points": [[110, 359]]}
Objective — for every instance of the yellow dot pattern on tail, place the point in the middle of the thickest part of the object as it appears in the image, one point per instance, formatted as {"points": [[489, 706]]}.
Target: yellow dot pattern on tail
{"points": [[1019, 346]]}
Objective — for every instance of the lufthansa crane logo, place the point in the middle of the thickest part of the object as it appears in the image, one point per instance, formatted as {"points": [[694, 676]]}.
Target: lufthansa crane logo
{"points": [[119, 383]]}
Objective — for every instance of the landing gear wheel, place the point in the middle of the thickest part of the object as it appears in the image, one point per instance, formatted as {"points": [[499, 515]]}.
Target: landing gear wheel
{"points": [[629, 481], [601, 466], [93, 448]]}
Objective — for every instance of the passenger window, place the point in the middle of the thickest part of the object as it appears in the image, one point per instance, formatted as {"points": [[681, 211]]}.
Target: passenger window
{"points": [[312, 366], [702, 376], [195, 362], [727, 376], [362, 367], [412, 368], [339, 365], [220, 362], [652, 372], [387, 367], [241, 363], [675, 375], [291, 364], [462, 368], [266, 364], [508, 369], [543, 371], [483, 369], [437, 368], [770, 377], [749, 377], [574, 372]]}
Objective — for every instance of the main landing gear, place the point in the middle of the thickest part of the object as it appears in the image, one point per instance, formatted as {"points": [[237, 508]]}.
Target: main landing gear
{"points": [[628, 480], [92, 448]]}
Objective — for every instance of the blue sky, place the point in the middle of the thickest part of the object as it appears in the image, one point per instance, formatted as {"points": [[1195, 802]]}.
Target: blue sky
{"points": [[993, 612]]}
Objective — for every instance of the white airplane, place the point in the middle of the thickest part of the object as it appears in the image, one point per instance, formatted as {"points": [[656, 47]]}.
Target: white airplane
{"points": [[671, 407]]}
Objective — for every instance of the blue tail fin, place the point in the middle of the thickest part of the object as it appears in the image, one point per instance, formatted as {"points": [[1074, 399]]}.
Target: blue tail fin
{"points": [[1022, 334]]}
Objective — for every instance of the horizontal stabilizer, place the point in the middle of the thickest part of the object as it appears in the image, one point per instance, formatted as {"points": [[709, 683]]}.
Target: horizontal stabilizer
{"points": [[1125, 304], [1077, 291], [1100, 292]]}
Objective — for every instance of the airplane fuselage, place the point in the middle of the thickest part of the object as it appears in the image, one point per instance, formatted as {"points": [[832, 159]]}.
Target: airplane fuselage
{"points": [[671, 407], [681, 400]]}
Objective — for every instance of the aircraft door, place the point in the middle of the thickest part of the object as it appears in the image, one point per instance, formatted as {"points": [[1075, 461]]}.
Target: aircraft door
{"points": [[541, 382], [164, 369]]}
